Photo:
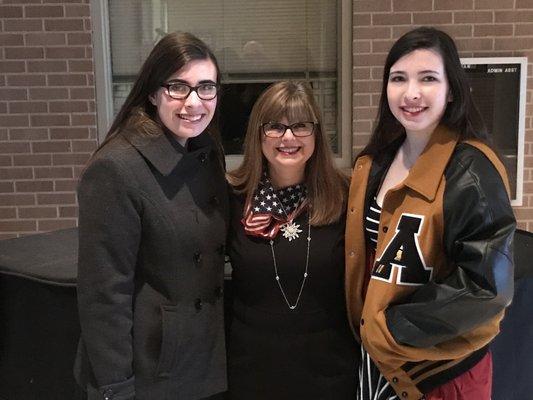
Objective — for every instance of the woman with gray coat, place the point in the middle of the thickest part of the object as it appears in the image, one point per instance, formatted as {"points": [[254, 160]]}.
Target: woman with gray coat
{"points": [[152, 223]]}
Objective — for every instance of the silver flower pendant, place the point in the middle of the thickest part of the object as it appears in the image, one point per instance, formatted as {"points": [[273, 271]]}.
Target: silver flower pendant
{"points": [[290, 230]]}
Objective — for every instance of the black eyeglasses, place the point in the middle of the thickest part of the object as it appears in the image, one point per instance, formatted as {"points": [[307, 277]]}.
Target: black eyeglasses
{"points": [[180, 90], [277, 129]]}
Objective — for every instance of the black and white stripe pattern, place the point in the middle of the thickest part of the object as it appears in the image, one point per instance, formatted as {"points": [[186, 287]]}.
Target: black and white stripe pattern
{"points": [[373, 213], [372, 385]]}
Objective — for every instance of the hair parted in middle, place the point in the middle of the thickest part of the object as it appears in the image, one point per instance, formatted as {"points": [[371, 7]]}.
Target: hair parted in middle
{"points": [[461, 114], [326, 185]]}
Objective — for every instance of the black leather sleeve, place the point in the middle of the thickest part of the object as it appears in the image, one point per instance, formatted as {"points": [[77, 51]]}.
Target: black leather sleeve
{"points": [[479, 227]]}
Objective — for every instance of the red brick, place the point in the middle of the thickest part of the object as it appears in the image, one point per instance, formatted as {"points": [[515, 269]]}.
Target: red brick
{"points": [[524, 4], [80, 66], [18, 226], [454, 4], [17, 199], [493, 30], [493, 4], [432, 18], [49, 120], [83, 119], [412, 5], [381, 46], [45, 38], [77, 10], [12, 66], [37, 212], [11, 12], [28, 133], [84, 146], [70, 106], [65, 52], [34, 186], [11, 39], [361, 73], [457, 30], [3, 110], [69, 185], [56, 198], [71, 212], [513, 43], [14, 147], [473, 44], [6, 161], [391, 19], [47, 66], [13, 94], [366, 6], [26, 80], [65, 24], [69, 133], [371, 32], [11, 173], [27, 107], [82, 93], [32, 159], [13, 120], [43, 11], [6, 187], [48, 93], [70, 159], [51, 147], [362, 46], [362, 19], [23, 25], [472, 16], [67, 80], [8, 212], [514, 16], [53, 172], [524, 30], [367, 86], [369, 59], [79, 38], [19, 53], [55, 224], [21, 1]]}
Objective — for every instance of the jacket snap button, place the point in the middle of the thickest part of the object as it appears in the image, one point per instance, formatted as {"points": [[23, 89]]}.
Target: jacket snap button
{"points": [[362, 321], [202, 157], [198, 304], [352, 210], [385, 229], [108, 394], [352, 253], [395, 380], [359, 166], [197, 257], [404, 394]]}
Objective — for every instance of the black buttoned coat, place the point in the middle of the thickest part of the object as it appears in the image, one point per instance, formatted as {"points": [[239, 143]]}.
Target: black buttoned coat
{"points": [[152, 228]]}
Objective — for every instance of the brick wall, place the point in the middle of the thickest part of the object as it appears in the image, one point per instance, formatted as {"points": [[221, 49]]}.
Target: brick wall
{"points": [[47, 112], [482, 28]]}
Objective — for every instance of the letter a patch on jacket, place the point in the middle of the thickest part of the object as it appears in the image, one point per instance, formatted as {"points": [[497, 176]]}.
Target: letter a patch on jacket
{"points": [[403, 253]]}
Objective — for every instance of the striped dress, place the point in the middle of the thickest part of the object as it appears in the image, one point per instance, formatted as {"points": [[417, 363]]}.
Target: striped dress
{"points": [[372, 385]]}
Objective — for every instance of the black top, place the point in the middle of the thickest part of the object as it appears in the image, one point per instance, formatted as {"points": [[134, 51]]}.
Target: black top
{"points": [[276, 352]]}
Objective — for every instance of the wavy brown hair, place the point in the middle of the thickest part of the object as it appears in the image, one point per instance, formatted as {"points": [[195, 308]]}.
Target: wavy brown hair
{"points": [[327, 186]]}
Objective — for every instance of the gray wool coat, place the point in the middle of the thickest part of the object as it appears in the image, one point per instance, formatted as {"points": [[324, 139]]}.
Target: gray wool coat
{"points": [[152, 228]]}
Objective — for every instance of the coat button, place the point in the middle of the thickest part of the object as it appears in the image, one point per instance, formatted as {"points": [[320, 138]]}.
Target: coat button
{"points": [[362, 321], [108, 394], [202, 157], [352, 210], [394, 380], [351, 254], [219, 292], [198, 304], [404, 394], [385, 229], [197, 258]]}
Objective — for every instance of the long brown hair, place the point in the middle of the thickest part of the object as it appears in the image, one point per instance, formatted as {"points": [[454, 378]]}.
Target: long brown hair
{"points": [[326, 185], [169, 55]]}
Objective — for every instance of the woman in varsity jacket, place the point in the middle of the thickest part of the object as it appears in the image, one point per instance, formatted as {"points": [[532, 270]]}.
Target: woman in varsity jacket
{"points": [[429, 267]]}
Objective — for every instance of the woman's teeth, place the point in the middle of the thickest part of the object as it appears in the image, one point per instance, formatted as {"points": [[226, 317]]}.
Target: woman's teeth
{"points": [[413, 109], [190, 118], [288, 150]]}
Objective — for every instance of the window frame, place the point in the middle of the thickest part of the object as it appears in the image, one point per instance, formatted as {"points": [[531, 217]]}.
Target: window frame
{"points": [[104, 81]]}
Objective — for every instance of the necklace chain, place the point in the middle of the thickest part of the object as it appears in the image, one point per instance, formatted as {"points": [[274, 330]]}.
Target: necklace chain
{"points": [[305, 275]]}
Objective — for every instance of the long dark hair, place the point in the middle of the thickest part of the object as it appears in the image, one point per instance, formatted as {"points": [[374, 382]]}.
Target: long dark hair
{"points": [[461, 114], [169, 55], [327, 186]]}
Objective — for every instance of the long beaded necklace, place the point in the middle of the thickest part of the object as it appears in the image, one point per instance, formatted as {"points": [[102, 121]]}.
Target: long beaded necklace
{"points": [[305, 275]]}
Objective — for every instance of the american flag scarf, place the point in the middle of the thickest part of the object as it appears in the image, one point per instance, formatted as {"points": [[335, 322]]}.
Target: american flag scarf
{"points": [[269, 209]]}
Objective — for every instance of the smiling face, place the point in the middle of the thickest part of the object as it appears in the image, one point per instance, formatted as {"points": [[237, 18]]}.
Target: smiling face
{"points": [[418, 91], [189, 117], [288, 154]]}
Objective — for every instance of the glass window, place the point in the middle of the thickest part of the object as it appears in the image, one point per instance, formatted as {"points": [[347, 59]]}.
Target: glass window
{"points": [[256, 44]]}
